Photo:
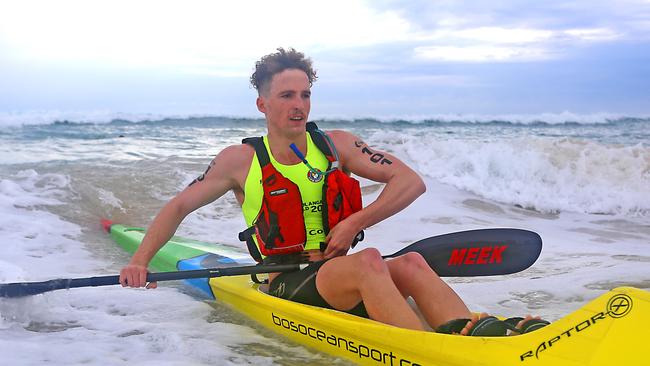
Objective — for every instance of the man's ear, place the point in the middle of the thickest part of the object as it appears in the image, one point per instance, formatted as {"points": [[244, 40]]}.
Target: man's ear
{"points": [[260, 104]]}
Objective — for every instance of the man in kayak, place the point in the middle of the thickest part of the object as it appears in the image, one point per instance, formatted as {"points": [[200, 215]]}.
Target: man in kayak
{"points": [[301, 205]]}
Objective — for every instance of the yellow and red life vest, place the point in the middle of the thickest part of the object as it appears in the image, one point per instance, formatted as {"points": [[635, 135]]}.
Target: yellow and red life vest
{"points": [[278, 231]]}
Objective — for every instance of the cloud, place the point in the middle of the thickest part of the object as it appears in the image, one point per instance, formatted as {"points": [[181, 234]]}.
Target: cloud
{"points": [[496, 44], [511, 31], [505, 35], [217, 38], [219, 72], [481, 53], [449, 54], [593, 34], [201, 35]]}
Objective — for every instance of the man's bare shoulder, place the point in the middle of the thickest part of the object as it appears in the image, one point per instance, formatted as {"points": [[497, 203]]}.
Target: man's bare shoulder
{"points": [[347, 145], [237, 152], [346, 142], [235, 157], [230, 165], [340, 137]]}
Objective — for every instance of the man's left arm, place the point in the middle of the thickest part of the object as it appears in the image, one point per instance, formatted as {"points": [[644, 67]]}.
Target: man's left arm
{"points": [[403, 186]]}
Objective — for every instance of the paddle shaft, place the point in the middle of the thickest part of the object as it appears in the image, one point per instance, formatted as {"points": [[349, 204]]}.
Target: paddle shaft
{"points": [[483, 252], [34, 288]]}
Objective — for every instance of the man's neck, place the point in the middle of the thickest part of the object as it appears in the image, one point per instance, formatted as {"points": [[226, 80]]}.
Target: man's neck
{"points": [[279, 145]]}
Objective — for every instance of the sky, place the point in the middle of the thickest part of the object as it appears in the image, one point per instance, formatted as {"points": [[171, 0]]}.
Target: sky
{"points": [[382, 59]]}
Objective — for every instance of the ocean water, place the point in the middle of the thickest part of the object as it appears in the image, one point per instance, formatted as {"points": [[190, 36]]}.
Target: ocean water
{"points": [[581, 182]]}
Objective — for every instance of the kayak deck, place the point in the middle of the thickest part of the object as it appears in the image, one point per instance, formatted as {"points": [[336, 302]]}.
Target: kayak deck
{"points": [[604, 331]]}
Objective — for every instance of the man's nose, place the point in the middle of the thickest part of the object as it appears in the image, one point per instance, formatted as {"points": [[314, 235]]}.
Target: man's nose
{"points": [[298, 103]]}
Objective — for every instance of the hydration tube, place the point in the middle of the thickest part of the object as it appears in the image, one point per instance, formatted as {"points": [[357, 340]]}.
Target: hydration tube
{"points": [[300, 156]]}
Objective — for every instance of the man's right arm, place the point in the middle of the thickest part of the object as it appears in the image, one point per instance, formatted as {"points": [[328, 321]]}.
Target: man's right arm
{"points": [[219, 178]]}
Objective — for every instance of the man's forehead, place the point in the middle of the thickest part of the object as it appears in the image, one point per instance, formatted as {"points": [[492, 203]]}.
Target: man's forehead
{"points": [[290, 79]]}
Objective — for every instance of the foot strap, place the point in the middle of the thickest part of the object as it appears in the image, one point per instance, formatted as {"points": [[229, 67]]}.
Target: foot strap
{"points": [[527, 327], [486, 327], [452, 326]]}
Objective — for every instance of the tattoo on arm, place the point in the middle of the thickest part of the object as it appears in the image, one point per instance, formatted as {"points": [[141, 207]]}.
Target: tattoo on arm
{"points": [[375, 157], [202, 176]]}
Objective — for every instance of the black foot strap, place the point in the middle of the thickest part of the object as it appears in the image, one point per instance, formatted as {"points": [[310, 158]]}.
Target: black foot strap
{"points": [[452, 326], [527, 327], [486, 327]]}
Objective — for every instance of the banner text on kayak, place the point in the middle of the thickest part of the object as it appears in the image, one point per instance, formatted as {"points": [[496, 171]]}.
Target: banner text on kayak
{"points": [[361, 350]]}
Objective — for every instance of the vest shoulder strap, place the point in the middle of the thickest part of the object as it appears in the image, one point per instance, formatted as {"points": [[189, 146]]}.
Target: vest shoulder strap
{"points": [[258, 144], [322, 142]]}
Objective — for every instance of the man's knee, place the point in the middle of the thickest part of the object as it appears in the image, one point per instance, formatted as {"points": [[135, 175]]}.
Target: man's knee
{"points": [[415, 259], [370, 260], [410, 262]]}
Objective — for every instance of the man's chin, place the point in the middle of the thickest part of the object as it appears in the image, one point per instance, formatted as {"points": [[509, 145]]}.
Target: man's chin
{"points": [[300, 125]]}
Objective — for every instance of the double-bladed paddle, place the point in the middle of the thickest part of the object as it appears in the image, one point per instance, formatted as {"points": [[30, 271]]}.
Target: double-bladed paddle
{"points": [[482, 252]]}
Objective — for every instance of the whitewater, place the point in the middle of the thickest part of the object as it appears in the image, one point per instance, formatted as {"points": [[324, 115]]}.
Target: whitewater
{"points": [[581, 182]]}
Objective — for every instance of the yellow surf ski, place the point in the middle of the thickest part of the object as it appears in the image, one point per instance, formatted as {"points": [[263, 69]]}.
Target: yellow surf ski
{"points": [[607, 331]]}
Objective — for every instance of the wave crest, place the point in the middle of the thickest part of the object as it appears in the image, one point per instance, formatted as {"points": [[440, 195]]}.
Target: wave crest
{"points": [[545, 174], [103, 116]]}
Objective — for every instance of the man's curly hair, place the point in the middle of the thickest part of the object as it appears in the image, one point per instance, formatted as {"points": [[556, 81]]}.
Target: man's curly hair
{"points": [[277, 62]]}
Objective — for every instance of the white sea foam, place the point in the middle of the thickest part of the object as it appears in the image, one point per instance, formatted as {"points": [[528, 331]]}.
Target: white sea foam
{"points": [[525, 119], [91, 116], [36, 242], [547, 174], [109, 198], [114, 326]]}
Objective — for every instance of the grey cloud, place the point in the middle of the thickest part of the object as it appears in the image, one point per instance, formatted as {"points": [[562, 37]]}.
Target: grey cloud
{"points": [[631, 17]]}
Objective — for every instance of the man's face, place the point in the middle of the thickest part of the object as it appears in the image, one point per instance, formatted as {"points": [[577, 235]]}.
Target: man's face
{"points": [[286, 102]]}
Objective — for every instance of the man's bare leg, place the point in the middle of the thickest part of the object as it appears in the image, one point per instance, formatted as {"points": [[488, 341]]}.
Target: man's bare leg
{"points": [[438, 302], [345, 281]]}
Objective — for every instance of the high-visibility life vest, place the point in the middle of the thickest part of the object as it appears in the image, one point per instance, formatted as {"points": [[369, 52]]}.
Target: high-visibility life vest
{"points": [[279, 226]]}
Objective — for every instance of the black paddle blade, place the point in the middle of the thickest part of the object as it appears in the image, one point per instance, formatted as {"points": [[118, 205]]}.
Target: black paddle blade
{"points": [[483, 252]]}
